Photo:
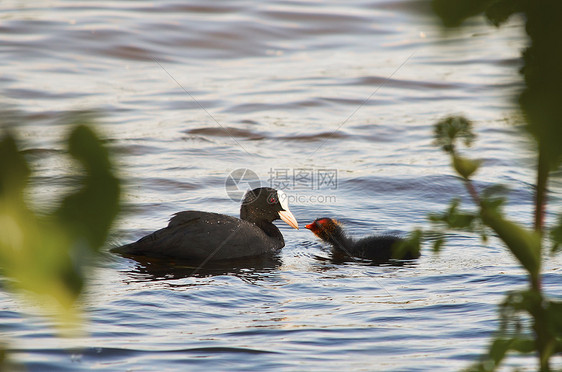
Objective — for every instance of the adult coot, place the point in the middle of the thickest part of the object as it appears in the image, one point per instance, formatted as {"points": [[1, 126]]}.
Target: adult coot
{"points": [[375, 248], [199, 235]]}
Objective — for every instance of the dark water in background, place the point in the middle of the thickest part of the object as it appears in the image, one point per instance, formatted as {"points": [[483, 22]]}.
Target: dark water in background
{"points": [[188, 92]]}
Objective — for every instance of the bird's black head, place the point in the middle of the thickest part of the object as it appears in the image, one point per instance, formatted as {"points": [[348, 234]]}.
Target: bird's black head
{"points": [[265, 204]]}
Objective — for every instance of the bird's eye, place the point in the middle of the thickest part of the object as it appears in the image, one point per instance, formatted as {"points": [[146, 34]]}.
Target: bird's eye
{"points": [[272, 200]]}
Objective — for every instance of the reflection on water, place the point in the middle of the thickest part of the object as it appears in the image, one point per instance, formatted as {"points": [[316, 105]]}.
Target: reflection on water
{"points": [[188, 92], [339, 259], [161, 269]]}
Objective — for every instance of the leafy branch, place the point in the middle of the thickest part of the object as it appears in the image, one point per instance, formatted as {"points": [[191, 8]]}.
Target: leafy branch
{"points": [[546, 334], [540, 103]]}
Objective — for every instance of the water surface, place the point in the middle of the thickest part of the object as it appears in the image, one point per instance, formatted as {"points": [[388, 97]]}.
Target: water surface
{"points": [[188, 92]]}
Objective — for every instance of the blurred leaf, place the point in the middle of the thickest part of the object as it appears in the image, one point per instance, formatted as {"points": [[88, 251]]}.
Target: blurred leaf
{"points": [[511, 336], [556, 235], [495, 191], [14, 171], [499, 11], [46, 255], [484, 237], [410, 246], [542, 70], [499, 349], [519, 301], [496, 353], [453, 13], [438, 244], [447, 131], [524, 244], [90, 211], [29, 246], [495, 195], [6, 362], [465, 167], [546, 322], [554, 318], [454, 219], [524, 345]]}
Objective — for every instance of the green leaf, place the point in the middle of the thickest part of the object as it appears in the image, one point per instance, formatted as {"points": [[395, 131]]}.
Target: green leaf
{"points": [[453, 13], [438, 244], [556, 235], [33, 250], [499, 349], [523, 345], [542, 60], [484, 237], [453, 218], [410, 246], [465, 167], [554, 318], [499, 11], [44, 255], [447, 131], [495, 195], [496, 354], [524, 244], [14, 171], [90, 211]]}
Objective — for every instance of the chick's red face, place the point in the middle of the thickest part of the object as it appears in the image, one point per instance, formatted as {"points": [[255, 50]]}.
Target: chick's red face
{"points": [[320, 225], [312, 227]]}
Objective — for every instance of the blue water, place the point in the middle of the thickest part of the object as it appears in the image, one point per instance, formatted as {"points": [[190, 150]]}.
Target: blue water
{"points": [[334, 103]]}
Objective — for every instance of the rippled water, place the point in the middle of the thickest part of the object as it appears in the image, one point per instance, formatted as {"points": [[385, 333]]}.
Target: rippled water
{"points": [[190, 91]]}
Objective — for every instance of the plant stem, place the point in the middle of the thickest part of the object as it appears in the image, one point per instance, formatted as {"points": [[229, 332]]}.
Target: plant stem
{"points": [[544, 341], [543, 338], [472, 191], [540, 192]]}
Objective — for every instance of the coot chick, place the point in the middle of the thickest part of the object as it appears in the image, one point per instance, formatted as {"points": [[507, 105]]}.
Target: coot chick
{"points": [[195, 235], [375, 248]]}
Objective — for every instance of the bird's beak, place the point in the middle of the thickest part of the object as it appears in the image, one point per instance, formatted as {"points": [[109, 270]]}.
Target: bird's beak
{"points": [[310, 226], [288, 217]]}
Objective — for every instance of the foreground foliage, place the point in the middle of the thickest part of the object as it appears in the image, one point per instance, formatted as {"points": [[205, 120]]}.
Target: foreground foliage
{"points": [[544, 336], [540, 102], [46, 256]]}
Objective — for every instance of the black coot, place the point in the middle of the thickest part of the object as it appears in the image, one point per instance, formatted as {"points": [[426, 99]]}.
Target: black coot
{"points": [[376, 248], [196, 235]]}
